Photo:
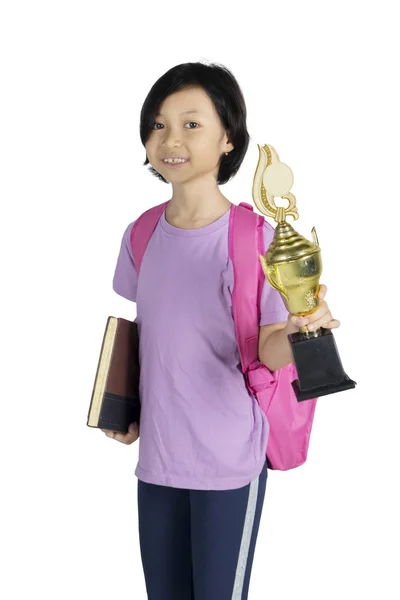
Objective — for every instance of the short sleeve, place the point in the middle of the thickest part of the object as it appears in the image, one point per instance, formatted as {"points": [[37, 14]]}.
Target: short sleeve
{"points": [[273, 309], [125, 276]]}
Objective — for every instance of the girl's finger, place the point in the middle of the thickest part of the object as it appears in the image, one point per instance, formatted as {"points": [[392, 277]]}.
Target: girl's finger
{"points": [[321, 312], [322, 291], [333, 324], [298, 321], [121, 437], [130, 436], [330, 324]]}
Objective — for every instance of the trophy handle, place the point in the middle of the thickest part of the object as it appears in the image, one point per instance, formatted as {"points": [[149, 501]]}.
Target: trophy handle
{"points": [[315, 237], [271, 276]]}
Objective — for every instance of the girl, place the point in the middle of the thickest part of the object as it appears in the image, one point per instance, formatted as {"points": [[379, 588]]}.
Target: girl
{"points": [[202, 469]]}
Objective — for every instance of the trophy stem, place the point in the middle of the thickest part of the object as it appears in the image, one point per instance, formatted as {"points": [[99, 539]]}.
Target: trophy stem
{"points": [[305, 334]]}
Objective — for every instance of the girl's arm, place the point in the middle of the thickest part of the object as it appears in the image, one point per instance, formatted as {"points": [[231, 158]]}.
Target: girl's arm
{"points": [[274, 349]]}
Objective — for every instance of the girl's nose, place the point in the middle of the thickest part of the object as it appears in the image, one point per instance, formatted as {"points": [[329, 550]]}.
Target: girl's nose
{"points": [[171, 137]]}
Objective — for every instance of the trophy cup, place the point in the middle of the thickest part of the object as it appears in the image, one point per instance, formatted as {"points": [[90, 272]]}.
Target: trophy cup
{"points": [[293, 266]]}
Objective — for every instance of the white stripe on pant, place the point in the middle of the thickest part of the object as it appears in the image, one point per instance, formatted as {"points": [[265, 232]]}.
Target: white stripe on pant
{"points": [[245, 545]]}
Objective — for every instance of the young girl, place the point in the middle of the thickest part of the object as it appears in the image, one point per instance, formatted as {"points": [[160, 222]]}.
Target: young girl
{"points": [[202, 465]]}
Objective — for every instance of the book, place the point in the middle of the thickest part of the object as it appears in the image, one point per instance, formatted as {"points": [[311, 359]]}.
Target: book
{"points": [[115, 401]]}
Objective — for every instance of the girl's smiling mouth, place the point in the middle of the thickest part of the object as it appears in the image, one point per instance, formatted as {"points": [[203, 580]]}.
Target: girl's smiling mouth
{"points": [[175, 165]]}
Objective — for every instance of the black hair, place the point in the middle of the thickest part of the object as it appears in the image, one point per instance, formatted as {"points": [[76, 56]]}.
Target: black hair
{"points": [[224, 91]]}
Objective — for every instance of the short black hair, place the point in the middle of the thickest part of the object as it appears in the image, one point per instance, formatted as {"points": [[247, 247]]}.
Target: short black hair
{"points": [[223, 89]]}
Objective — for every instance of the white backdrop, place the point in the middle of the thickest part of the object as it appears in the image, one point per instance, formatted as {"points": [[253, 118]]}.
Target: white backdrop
{"points": [[320, 83]]}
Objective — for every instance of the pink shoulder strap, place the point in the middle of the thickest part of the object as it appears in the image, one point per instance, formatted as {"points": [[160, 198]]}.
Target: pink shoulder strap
{"points": [[148, 221], [246, 243]]}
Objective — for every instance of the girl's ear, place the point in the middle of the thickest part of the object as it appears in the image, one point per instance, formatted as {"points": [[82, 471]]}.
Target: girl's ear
{"points": [[229, 146]]}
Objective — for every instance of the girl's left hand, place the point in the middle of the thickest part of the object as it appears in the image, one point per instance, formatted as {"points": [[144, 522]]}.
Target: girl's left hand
{"points": [[322, 317]]}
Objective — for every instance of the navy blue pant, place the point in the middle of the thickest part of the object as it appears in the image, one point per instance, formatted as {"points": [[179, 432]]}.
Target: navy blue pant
{"points": [[199, 544]]}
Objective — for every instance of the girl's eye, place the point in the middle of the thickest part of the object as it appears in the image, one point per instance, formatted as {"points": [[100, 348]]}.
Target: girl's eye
{"points": [[189, 122]]}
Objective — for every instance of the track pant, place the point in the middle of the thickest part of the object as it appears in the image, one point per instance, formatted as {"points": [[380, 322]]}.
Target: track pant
{"points": [[199, 544]]}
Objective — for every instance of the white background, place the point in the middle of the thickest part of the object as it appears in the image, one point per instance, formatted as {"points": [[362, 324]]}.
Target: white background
{"points": [[320, 82]]}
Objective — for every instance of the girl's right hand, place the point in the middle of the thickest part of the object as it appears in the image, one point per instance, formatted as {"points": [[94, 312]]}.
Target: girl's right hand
{"points": [[124, 438]]}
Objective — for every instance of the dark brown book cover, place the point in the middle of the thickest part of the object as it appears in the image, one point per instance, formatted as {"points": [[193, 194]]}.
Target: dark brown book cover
{"points": [[115, 401]]}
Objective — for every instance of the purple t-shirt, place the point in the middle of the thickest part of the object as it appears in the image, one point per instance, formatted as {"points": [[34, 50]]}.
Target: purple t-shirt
{"points": [[200, 426]]}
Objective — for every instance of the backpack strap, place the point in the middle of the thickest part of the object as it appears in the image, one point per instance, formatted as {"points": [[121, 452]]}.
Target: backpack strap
{"points": [[246, 243], [142, 231]]}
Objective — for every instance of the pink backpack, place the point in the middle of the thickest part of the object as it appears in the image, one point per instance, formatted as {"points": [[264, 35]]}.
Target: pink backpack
{"points": [[289, 421]]}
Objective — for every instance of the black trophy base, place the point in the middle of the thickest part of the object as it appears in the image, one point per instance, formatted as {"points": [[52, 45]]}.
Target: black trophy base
{"points": [[319, 368]]}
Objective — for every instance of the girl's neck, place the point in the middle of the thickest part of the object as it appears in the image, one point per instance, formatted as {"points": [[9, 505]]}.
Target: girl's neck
{"points": [[193, 212]]}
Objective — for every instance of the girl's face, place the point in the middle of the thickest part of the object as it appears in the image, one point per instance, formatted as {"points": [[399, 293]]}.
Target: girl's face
{"points": [[187, 126]]}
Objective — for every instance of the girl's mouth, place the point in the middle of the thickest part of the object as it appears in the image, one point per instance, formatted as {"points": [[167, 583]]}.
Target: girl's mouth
{"points": [[175, 165]]}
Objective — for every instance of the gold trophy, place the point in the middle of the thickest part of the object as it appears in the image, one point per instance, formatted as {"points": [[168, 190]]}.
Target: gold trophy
{"points": [[293, 266]]}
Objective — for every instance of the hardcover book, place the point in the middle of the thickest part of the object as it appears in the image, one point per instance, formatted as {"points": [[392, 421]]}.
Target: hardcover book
{"points": [[115, 401]]}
